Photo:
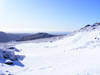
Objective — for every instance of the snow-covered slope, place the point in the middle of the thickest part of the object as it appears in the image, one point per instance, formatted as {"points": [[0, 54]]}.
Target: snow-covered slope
{"points": [[77, 54]]}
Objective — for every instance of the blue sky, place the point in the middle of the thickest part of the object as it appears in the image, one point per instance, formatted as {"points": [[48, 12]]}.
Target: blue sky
{"points": [[47, 15]]}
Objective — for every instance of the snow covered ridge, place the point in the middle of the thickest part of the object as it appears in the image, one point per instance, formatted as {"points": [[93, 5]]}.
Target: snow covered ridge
{"points": [[90, 27]]}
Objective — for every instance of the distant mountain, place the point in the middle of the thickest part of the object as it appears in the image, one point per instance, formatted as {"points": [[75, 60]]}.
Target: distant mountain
{"points": [[6, 37], [37, 36], [17, 36]]}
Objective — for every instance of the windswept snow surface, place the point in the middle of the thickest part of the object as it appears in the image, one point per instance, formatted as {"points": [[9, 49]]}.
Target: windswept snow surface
{"points": [[77, 54]]}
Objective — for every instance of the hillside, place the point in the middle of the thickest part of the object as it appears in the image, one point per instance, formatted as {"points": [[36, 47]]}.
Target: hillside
{"points": [[76, 54]]}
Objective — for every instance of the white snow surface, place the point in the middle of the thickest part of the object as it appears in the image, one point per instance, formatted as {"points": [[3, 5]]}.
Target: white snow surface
{"points": [[77, 54]]}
